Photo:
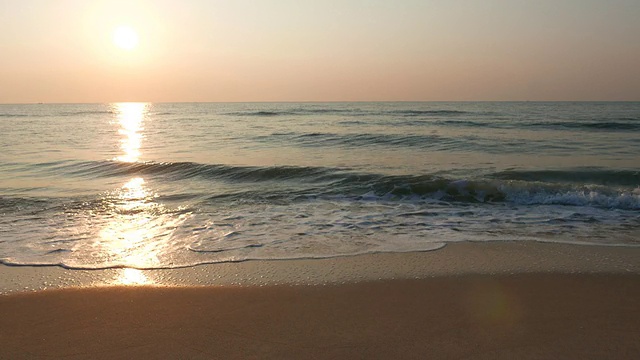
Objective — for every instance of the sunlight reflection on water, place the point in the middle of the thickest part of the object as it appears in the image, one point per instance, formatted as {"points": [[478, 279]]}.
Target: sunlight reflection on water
{"points": [[127, 236], [133, 277], [137, 230], [131, 118]]}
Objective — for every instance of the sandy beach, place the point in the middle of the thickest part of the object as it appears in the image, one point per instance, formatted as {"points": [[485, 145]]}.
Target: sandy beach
{"points": [[488, 313], [474, 316]]}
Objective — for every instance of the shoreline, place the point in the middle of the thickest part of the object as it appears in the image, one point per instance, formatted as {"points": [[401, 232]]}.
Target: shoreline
{"points": [[490, 258]]}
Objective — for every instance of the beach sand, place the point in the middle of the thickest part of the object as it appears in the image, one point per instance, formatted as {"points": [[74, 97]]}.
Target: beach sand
{"points": [[541, 311]]}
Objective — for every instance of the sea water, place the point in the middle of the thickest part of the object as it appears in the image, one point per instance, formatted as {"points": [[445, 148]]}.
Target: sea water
{"points": [[178, 184]]}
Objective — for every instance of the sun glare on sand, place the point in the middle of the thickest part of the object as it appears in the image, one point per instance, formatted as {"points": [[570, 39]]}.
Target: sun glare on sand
{"points": [[125, 37]]}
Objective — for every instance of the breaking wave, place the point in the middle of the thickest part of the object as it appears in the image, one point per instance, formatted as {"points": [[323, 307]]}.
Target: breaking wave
{"points": [[618, 189]]}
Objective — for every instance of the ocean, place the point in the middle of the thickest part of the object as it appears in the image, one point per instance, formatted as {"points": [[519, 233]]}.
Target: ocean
{"points": [[167, 185]]}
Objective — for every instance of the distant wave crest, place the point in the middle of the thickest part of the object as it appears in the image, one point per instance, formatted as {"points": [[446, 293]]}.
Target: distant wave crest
{"points": [[351, 112], [623, 124]]}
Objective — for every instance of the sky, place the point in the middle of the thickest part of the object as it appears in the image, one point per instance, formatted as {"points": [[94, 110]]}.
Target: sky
{"points": [[330, 50]]}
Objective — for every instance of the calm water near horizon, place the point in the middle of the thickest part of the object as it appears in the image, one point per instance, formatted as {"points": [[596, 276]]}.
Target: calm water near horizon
{"points": [[178, 184]]}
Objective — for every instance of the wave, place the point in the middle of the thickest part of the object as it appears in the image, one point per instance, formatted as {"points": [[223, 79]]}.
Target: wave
{"points": [[296, 112], [455, 118], [351, 112], [431, 142], [624, 200], [14, 115], [491, 191], [440, 122], [188, 170], [90, 112], [365, 140], [428, 112], [19, 203], [58, 114], [573, 125], [618, 189], [577, 176], [262, 113], [548, 125]]}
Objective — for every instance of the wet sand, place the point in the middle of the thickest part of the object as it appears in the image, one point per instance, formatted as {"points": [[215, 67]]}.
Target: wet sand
{"points": [[493, 258]]}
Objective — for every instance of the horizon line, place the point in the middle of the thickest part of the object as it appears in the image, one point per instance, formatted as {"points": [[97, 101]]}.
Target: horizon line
{"points": [[318, 102]]}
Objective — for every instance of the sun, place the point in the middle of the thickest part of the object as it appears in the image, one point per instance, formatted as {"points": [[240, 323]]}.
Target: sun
{"points": [[125, 37]]}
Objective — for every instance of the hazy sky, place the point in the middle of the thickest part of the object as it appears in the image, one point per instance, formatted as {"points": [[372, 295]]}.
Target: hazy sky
{"points": [[299, 50]]}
